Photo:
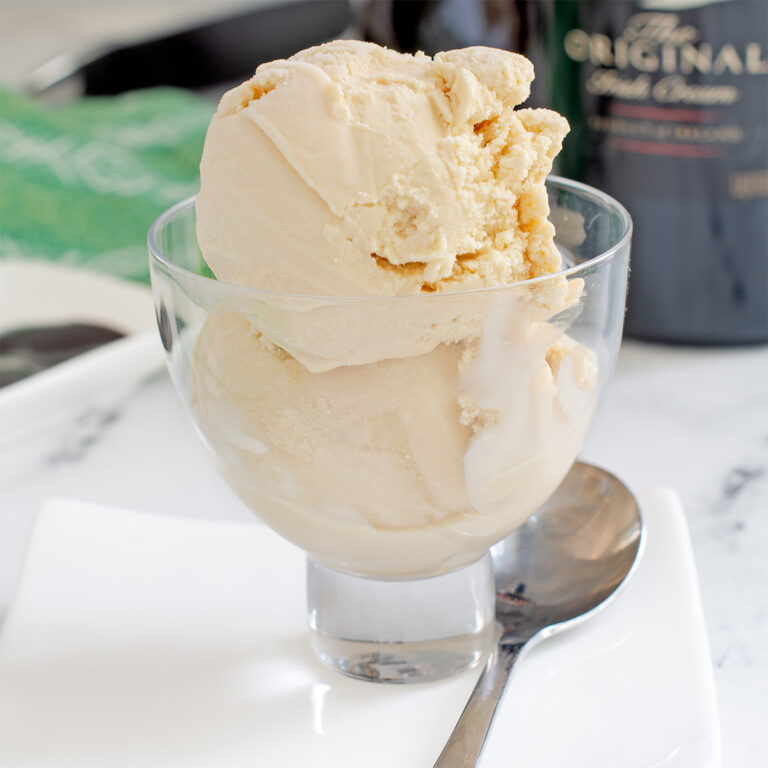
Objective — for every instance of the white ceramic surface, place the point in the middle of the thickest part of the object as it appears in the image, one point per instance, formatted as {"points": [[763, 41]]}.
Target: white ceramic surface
{"points": [[41, 292], [143, 640]]}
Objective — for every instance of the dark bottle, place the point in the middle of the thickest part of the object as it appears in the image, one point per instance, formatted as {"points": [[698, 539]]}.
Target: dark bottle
{"points": [[668, 105]]}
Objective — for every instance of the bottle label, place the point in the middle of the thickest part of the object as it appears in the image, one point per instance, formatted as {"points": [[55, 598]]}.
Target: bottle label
{"points": [[659, 85]]}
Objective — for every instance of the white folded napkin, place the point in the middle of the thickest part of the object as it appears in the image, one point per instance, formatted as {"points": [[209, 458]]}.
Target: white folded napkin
{"points": [[136, 640]]}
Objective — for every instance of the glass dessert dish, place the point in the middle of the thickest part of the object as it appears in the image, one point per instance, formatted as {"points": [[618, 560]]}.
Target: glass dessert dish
{"points": [[396, 439]]}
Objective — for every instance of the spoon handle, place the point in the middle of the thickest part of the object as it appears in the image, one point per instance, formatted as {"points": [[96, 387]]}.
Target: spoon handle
{"points": [[463, 748]]}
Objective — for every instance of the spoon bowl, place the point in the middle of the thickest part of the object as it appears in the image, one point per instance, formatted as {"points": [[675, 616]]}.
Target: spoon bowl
{"points": [[566, 562], [570, 556]]}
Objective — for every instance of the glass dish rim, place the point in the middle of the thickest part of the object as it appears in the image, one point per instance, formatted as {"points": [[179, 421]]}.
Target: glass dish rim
{"points": [[584, 190]]}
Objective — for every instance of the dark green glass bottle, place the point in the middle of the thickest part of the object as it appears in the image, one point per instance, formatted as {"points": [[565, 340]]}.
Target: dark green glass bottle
{"points": [[668, 106]]}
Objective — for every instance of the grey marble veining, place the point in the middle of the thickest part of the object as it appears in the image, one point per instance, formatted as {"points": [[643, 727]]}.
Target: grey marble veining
{"points": [[696, 421], [692, 420]]}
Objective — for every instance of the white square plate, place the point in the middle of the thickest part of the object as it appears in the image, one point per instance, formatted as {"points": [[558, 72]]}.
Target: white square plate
{"points": [[150, 641], [34, 293]]}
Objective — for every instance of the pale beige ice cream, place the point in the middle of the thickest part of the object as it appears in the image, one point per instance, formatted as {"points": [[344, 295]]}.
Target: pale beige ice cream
{"points": [[350, 169], [401, 436]]}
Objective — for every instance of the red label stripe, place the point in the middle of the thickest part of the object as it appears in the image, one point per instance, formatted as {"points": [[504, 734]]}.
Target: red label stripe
{"points": [[666, 148], [665, 113]]}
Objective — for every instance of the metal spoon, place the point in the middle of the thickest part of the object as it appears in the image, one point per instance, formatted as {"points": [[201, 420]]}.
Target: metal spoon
{"points": [[553, 572]]}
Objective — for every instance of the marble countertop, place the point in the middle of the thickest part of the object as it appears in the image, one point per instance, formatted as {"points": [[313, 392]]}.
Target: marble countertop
{"points": [[694, 420]]}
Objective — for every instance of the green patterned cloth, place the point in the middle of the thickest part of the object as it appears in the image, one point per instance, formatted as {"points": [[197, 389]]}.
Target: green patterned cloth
{"points": [[81, 183]]}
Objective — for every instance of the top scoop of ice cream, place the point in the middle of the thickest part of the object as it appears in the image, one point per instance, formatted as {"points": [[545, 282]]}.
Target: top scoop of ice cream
{"points": [[353, 170], [399, 435]]}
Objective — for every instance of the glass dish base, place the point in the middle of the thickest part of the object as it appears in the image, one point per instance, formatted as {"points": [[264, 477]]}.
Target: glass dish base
{"points": [[402, 662], [405, 631]]}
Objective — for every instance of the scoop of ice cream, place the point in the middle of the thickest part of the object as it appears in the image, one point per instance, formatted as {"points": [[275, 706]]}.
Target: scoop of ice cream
{"points": [[350, 169], [402, 432], [400, 468]]}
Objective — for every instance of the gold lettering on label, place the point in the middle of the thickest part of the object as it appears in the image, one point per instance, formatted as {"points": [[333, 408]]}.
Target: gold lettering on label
{"points": [[718, 134], [620, 127], [754, 65], [649, 25], [653, 42], [642, 56], [727, 59], [674, 90], [668, 58], [576, 44], [679, 132], [637, 129], [621, 53], [600, 51], [659, 28], [695, 58], [608, 82], [748, 185]]}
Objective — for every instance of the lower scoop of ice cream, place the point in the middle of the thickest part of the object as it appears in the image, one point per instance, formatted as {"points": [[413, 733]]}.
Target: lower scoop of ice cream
{"points": [[391, 394], [400, 468]]}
